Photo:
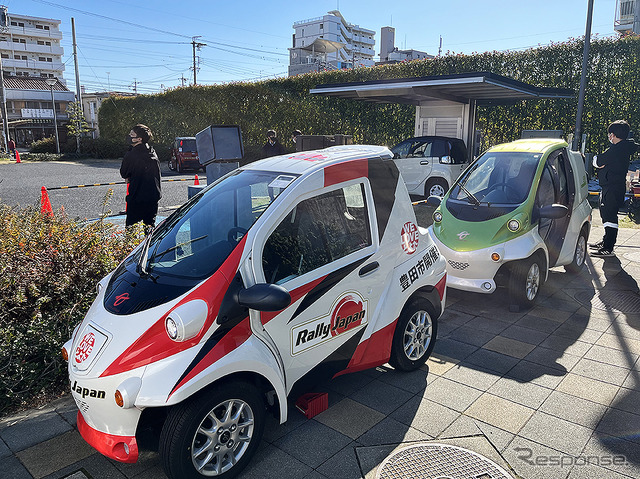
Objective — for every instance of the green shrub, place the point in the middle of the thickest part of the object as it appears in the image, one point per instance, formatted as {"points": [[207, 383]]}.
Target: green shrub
{"points": [[40, 156], [285, 104], [49, 267], [103, 147], [45, 145]]}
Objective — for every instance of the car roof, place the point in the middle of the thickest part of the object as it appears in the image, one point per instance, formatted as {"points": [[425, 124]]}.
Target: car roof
{"points": [[432, 137], [306, 161], [534, 145]]}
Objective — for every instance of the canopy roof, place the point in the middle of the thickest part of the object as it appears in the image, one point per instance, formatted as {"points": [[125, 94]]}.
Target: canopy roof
{"points": [[484, 87]]}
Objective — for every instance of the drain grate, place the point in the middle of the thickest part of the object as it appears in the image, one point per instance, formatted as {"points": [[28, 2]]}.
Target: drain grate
{"points": [[439, 461], [619, 301]]}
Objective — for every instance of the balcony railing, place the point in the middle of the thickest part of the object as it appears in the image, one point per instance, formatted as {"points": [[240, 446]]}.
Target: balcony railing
{"points": [[624, 12], [35, 32]]}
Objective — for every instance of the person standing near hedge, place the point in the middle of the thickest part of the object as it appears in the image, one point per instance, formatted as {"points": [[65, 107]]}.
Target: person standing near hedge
{"points": [[272, 147], [612, 167], [141, 169]]}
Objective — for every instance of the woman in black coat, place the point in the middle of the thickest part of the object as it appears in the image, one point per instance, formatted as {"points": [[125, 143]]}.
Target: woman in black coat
{"points": [[141, 169]]}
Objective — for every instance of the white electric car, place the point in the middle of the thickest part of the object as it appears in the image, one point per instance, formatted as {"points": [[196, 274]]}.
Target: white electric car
{"points": [[289, 269]]}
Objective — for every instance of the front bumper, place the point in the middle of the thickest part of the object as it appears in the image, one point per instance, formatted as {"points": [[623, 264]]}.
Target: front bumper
{"points": [[473, 271], [120, 448]]}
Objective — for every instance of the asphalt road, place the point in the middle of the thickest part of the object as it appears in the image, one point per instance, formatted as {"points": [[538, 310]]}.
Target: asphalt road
{"points": [[20, 185]]}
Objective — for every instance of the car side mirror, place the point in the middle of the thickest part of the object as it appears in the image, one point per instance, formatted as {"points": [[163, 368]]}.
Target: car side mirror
{"points": [[434, 201], [553, 212], [264, 297], [447, 160]]}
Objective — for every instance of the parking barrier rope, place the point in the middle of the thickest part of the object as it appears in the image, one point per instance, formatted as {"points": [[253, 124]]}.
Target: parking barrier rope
{"points": [[112, 183]]}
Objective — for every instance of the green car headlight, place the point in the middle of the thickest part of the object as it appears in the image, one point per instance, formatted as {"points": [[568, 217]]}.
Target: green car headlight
{"points": [[513, 225]]}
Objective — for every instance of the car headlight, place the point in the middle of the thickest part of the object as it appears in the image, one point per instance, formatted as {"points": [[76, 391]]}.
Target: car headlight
{"points": [[437, 217], [513, 225], [186, 321]]}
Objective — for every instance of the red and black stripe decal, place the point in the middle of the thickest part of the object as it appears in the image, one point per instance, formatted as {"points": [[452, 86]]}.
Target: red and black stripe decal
{"points": [[325, 285]]}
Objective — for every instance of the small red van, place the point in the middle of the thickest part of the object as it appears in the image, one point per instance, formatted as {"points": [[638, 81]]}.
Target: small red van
{"points": [[184, 154]]}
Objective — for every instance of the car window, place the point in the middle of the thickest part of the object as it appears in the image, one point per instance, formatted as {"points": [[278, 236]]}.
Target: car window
{"points": [[556, 163], [420, 149], [545, 196], [439, 148], [316, 232], [458, 152]]}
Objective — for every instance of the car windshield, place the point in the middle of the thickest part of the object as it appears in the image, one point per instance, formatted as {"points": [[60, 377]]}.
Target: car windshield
{"points": [[198, 237], [188, 145], [501, 177]]}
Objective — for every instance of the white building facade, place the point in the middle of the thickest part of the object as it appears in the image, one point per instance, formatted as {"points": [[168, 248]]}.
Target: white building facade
{"points": [[32, 55], [30, 46], [330, 42], [627, 18]]}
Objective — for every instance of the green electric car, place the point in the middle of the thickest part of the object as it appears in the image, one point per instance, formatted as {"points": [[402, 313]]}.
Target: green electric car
{"points": [[517, 211]]}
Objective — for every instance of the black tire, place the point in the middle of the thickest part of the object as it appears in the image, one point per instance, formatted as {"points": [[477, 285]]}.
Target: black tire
{"points": [[239, 435], [170, 167], [435, 187], [579, 254], [415, 335], [527, 276]]}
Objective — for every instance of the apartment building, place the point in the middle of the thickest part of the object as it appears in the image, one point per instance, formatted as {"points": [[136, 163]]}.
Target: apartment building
{"points": [[389, 53], [30, 46], [330, 42], [31, 59], [627, 17]]}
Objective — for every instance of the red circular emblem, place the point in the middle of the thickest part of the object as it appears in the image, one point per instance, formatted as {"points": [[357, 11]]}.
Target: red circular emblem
{"points": [[85, 347], [409, 236], [347, 315]]}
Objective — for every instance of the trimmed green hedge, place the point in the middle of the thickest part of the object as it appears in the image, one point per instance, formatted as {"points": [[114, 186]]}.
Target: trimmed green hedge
{"points": [[284, 104]]}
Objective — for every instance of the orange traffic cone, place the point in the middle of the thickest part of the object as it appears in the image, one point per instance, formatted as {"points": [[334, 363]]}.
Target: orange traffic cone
{"points": [[196, 182], [18, 157], [45, 204]]}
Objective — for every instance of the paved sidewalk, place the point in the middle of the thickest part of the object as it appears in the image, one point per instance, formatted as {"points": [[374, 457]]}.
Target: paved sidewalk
{"points": [[553, 392]]}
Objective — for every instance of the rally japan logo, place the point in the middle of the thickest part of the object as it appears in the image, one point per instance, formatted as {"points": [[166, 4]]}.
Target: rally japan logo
{"points": [[85, 347], [409, 237], [348, 313]]}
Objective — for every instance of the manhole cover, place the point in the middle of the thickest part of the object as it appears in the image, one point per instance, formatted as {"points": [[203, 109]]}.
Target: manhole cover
{"points": [[620, 301], [439, 461]]}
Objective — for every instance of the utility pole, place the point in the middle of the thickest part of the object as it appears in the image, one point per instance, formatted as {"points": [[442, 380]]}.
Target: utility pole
{"points": [[583, 80], [183, 79], [3, 99], [195, 45], [440, 47], [78, 91], [135, 85]]}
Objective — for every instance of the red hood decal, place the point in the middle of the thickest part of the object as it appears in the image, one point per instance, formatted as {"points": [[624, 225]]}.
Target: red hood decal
{"points": [[232, 340], [154, 344]]}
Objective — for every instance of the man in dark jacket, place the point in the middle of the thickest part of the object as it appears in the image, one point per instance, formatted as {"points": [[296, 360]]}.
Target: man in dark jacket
{"points": [[141, 169], [612, 167], [272, 147]]}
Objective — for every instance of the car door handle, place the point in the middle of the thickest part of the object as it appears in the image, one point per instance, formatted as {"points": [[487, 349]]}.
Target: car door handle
{"points": [[424, 162], [368, 268]]}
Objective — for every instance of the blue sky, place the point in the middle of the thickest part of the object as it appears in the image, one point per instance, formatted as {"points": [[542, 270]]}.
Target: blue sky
{"points": [[149, 42]]}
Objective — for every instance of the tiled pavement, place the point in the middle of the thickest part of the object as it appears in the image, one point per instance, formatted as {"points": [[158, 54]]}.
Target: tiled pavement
{"points": [[553, 392]]}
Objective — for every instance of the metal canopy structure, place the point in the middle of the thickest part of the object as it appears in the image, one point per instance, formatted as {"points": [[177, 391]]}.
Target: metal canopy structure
{"points": [[484, 88]]}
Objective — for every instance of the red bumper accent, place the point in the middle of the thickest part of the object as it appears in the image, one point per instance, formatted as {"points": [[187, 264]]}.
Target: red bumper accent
{"points": [[114, 447]]}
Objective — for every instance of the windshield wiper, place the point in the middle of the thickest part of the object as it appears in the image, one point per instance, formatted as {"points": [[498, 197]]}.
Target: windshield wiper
{"points": [[141, 267], [179, 245], [469, 194]]}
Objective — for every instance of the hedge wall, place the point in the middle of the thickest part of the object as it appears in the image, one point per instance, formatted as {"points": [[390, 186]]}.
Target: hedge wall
{"points": [[284, 104]]}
